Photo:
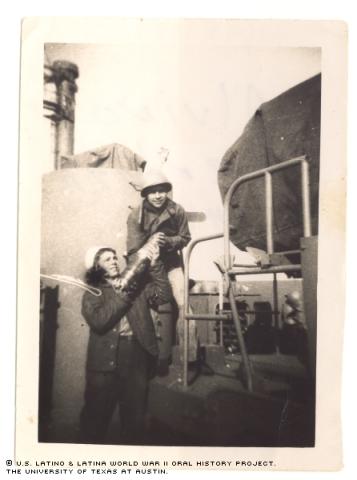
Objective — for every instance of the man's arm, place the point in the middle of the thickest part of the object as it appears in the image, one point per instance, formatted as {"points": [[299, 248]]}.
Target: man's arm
{"points": [[104, 312], [183, 237], [136, 238]]}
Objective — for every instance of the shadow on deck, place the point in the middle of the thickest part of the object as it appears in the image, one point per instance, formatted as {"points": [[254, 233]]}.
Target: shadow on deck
{"points": [[217, 410]]}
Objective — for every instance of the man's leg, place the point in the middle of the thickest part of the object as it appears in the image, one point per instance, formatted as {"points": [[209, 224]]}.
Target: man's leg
{"points": [[163, 322], [134, 368], [176, 279], [99, 403]]}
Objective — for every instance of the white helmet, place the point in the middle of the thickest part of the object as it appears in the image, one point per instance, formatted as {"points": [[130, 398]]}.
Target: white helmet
{"points": [[153, 178], [91, 254]]}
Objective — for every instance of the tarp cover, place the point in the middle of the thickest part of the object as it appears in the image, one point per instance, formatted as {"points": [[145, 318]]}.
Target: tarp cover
{"points": [[108, 156], [286, 127]]}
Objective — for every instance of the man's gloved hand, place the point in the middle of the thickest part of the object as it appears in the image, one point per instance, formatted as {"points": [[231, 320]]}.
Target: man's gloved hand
{"points": [[150, 251], [159, 238]]}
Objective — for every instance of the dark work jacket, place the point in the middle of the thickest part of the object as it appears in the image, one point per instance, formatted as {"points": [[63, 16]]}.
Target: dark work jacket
{"points": [[103, 314], [144, 221]]}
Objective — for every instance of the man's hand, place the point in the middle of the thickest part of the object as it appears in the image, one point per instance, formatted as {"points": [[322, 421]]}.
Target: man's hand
{"points": [[159, 238], [150, 251]]}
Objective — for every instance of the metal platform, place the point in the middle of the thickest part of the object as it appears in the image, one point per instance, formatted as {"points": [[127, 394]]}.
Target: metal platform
{"points": [[218, 410]]}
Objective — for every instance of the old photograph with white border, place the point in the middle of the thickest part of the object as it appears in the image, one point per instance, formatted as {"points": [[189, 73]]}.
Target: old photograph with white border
{"points": [[205, 160]]}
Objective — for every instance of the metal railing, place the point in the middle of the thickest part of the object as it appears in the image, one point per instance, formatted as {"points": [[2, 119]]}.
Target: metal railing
{"points": [[231, 270]]}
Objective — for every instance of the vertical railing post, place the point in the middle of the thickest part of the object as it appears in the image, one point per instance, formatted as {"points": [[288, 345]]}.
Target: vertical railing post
{"points": [[226, 232], [243, 351], [305, 186], [220, 308], [276, 312], [186, 306], [269, 212], [267, 173], [186, 309], [185, 352]]}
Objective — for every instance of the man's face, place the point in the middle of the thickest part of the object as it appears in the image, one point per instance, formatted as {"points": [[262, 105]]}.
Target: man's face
{"points": [[108, 261], [157, 196]]}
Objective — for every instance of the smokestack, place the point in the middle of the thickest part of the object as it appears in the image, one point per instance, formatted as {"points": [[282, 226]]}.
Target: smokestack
{"points": [[59, 106], [64, 75]]}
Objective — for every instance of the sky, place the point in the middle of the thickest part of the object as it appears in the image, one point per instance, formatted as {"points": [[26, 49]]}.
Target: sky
{"points": [[183, 87]]}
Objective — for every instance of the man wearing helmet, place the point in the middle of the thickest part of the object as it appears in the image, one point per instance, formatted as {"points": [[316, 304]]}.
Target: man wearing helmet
{"points": [[160, 217]]}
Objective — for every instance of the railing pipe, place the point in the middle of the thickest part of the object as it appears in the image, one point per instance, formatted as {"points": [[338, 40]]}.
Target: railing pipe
{"points": [[240, 181], [305, 180], [186, 316], [273, 269], [243, 350], [269, 212], [248, 269]]}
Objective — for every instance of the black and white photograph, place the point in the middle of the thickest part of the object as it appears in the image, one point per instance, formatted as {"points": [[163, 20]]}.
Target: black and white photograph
{"points": [[178, 201]]}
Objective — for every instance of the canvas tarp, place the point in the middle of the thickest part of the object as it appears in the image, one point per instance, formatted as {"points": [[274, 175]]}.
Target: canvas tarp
{"points": [[286, 127], [108, 156]]}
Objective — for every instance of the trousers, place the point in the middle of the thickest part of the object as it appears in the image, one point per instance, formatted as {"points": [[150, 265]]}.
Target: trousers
{"points": [[176, 279], [126, 386]]}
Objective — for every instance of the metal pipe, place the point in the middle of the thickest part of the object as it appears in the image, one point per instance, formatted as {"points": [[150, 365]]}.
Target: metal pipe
{"points": [[249, 265], [244, 265], [185, 351], [190, 247], [224, 317], [274, 269], [227, 258], [305, 184], [64, 75], [208, 316], [286, 164], [288, 252], [243, 351], [186, 307], [269, 212], [220, 294], [275, 309], [233, 187], [220, 309]]}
